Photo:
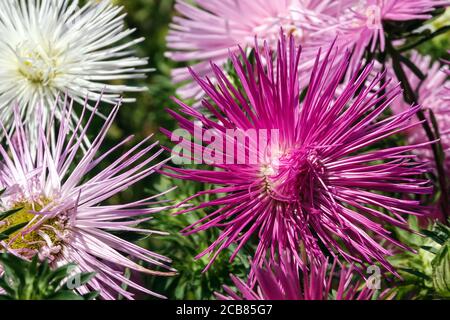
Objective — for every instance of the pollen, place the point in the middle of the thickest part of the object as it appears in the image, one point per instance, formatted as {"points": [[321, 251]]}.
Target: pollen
{"points": [[38, 66], [37, 236]]}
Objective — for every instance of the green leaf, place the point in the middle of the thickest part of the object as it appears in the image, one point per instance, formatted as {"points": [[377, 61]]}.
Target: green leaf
{"points": [[5, 286], [416, 273], [441, 271], [8, 213], [5, 234], [34, 280], [86, 277], [66, 295], [11, 265], [435, 236], [430, 249], [59, 274], [91, 295]]}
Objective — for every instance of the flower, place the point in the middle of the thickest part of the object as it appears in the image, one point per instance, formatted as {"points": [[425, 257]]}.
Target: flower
{"points": [[433, 96], [208, 30], [53, 46], [54, 197], [364, 22], [319, 180], [282, 282]]}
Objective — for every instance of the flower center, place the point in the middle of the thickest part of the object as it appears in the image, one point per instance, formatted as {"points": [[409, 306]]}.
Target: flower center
{"points": [[269, 29], [29, 233], [291, 176], [37, 65]]}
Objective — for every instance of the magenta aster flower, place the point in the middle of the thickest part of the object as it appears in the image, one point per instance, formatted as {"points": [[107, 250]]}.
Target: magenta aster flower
{"points": [[209, 29], [60, 213], [321, 182], [284, 281]]}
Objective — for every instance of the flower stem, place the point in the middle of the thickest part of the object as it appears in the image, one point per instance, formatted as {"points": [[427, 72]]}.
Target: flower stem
{"points": [[425, 39]]}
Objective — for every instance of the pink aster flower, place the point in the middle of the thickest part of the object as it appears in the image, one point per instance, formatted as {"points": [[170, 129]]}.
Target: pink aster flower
{"points": [[284, 281], [59, 193], [209, 29], [323, 183], [364, 21]]}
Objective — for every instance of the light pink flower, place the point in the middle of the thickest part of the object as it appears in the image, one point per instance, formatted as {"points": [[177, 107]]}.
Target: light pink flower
{"points": [[363, 24], [62, 193], [210, 29]]}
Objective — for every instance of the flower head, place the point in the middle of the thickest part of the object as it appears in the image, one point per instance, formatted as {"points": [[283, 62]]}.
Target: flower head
{"points": [[53, 46], [54, 196], [284, 281], [364, 22], [319, 180], [210, 29]]}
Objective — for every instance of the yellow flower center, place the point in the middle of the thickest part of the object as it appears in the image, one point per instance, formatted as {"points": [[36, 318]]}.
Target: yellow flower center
{"points": [[30, 239], [38, 66]]}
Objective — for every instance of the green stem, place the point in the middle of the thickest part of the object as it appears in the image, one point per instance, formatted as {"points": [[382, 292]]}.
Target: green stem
{"points": [[425, 39]]}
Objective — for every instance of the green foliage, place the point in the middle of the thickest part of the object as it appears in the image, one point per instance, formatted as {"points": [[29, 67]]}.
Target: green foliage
{"points": [[438, 46], [426, 272], [33, 280], [441, 271], [191, 282]]}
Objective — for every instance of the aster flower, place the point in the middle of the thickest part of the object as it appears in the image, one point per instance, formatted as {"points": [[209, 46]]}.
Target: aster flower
{"points": [[284, 281], [364, 21], [207, 30], [52, 46], [54, 197], [317, 185]]}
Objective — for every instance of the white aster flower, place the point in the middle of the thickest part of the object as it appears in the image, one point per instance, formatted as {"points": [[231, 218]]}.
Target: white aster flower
{"points": [[53, 46]]}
